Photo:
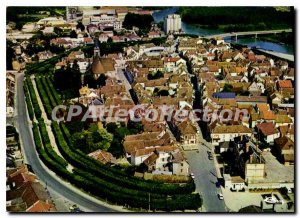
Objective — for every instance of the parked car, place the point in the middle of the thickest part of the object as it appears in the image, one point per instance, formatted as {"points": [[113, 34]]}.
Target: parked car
{"points": [[218, 184], [75, 209], [220, 196], [192, 175]]}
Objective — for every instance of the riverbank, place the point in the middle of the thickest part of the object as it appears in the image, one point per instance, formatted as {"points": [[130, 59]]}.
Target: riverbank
{"points": [[229, 19], [283, 39], [205, 30]]}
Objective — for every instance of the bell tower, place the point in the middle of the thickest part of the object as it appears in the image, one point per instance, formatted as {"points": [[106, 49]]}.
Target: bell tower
{"points": [[96, 47], [96, 51]]}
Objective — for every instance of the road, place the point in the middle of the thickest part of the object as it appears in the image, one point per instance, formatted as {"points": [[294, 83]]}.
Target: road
{"points": [[121, 76], [203, 168], [247, 33], [205, 179], [54, 184]]}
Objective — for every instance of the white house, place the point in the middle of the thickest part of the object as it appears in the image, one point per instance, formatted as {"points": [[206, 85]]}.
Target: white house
{"points": [[268, 132], [228, 133], [233, 182], [171, 63]]}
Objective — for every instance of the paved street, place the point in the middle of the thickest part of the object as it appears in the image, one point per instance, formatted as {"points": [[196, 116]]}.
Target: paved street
{"points": [[59, 189], [205, 179], [121, 76]]}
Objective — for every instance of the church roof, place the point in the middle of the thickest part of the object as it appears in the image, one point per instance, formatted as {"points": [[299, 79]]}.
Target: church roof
{"points": [[102, 65], [97, 67]]}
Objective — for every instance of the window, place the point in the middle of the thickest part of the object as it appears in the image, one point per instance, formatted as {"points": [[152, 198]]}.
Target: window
{"points": [[182, 164], [163, 159]]}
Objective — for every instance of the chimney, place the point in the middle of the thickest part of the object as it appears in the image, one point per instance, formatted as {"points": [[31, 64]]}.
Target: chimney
{"points": [[247, 147], [251, 158], [260, 157]]}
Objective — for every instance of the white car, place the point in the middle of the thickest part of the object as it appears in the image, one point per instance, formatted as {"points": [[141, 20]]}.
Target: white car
{"points": [[192, 175], [271, 200], [220, 196], [289, 190]]}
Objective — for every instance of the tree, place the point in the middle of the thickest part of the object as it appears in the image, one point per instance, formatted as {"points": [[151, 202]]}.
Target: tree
{"points": [[92, 139], [227, 88], [105, 138], [35, 58], [80, 26], [56, 49], [10, 55], [90, 81], [75, 126], [79, 140], [73, 34], [216, 55], [73, 76], [57, 31], [75, 66], [160, 25], [163, 93], [109, 40], [111, 127], [101, 80], [157, 75], [137, 20]]}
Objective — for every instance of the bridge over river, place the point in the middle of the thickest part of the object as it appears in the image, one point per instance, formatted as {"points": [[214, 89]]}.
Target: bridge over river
{"points": [[249, 33]]}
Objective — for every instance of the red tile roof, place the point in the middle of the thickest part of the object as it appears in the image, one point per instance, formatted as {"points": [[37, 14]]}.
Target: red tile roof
{"points": [[285, 84], [267, 128]]}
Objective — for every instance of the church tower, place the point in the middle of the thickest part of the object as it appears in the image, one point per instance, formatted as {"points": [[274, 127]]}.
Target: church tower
{"points": [[96, 48]]}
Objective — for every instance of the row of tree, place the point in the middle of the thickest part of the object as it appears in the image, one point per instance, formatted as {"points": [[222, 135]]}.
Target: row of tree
{"points": [[68, 80], [237, 17], [136, 20], [44, 98], [36, 107], [28, 101], [47, 144], [81, 160], [107, 183]]}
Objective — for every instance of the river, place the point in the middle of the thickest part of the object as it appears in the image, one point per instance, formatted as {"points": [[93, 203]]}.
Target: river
{"points": [[249, 41]]}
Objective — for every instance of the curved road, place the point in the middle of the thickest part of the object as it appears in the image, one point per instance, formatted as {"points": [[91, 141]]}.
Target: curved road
{"points": [[63, 188]]}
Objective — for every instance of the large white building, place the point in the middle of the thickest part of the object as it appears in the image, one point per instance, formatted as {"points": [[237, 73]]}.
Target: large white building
{"points": [[172, 23]]}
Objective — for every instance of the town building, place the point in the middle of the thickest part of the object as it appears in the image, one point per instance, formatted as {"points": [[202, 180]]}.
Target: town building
{"points": [[172, 24]]}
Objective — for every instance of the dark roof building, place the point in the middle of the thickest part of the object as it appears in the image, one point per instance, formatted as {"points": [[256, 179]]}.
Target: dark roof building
{"points": [[224, 95]]}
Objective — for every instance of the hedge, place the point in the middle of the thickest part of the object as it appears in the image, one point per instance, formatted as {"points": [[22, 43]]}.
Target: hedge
{"points": [[115, 190], [28, 102], [50, 163], [80, 160], [112, 192], [135, 198], [48, 92], [43, 67], [53, 91], [44, 98], [35, 104], [47, 145]]}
